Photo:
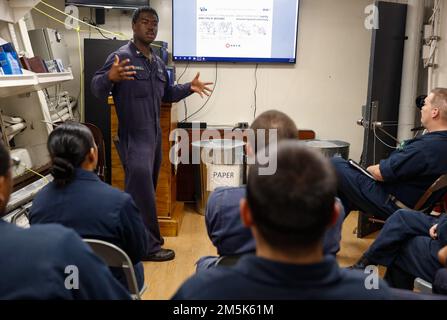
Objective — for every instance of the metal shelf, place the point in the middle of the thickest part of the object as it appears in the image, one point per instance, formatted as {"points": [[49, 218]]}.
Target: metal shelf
{"points": [[11, 85], [45, 80], [13, 10]]}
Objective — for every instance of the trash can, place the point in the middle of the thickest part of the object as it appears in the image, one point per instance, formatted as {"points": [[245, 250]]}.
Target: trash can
{"points": [[221, 165], [330, 148]]}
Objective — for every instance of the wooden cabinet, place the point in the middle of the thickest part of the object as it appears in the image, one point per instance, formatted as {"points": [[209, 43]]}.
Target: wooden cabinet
{"points": [[169, 211]]}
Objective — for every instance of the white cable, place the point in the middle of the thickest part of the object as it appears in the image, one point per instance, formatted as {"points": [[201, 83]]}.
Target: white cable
{"points": [[384, 143]]}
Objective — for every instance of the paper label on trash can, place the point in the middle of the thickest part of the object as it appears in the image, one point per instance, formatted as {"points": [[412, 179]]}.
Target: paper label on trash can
{"points": [[223, 176]]}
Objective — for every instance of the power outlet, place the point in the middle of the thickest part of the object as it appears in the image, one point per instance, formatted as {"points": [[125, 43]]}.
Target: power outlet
{"points": [[241, 125]]}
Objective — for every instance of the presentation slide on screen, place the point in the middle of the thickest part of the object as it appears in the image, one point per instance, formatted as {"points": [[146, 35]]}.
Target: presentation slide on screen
{"points": [[234, 28]]}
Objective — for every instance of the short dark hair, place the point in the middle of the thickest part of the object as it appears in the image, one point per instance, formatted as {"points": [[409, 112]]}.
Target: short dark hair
{"points": [[68, 146], [293, 207], [136, 13], [5, 160], [274, 119], [277, 120]]}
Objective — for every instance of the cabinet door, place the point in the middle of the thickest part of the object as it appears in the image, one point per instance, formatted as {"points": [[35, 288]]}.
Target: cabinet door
{"points": [[97, 111], [385, 73], [382, 103]]}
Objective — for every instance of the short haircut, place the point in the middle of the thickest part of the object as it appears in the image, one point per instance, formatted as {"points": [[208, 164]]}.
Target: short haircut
{"points": [[140, 10], [440, 101], [5, 160], [293, 207], [277, 120]]}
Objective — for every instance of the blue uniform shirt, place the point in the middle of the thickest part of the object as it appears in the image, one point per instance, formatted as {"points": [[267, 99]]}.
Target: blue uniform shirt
{"points": [[255, 278], [94, 210], [231, 237], [411, 170], [34, 263], [138, 101], [224, 225]]}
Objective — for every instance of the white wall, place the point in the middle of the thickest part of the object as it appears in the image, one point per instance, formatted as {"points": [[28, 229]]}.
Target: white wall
{"points": [[324, 91]]}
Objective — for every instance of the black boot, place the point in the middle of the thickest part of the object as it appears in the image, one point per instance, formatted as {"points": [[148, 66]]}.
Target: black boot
{"points": [[162, 255]]}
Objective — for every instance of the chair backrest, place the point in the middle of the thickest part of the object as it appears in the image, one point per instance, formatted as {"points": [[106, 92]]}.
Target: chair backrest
{"points": [[423, 286], [439, 184], [115, 257], [99, 140], [21, 218], [228, 261]]}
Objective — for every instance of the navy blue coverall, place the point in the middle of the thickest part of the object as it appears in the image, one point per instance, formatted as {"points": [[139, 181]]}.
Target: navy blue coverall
{"points": [[95, 210], [36, 263], [138, 105], [405, 243], [231, 237], [407, 174]]}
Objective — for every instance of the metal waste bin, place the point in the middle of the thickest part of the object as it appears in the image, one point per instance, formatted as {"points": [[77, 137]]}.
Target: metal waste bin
{"points": [[221, 165], [330, 148]]}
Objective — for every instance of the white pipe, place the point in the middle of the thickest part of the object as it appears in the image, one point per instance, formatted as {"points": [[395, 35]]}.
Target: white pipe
{"points": [[410, 69]]}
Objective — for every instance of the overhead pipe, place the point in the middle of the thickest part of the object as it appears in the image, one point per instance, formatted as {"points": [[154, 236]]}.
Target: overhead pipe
{"points": [[410, 69]]}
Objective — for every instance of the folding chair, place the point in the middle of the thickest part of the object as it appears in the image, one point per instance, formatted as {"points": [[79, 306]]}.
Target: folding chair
{"points": [[99, 140], [117, 258], [228, 261], [439, 184], [423, 286], [21, 218], [366, 222]]}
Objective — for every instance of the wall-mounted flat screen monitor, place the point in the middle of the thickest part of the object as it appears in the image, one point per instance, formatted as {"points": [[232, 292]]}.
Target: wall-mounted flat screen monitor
{"points": [[253, 31]]}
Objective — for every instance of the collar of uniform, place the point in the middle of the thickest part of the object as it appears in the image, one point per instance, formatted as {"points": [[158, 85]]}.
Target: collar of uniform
{"points": [[85, 175], [136, 52], [442, 134], [274, 272]]}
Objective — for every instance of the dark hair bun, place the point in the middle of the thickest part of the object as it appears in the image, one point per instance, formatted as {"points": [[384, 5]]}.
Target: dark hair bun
{"points": [[62, 171]]}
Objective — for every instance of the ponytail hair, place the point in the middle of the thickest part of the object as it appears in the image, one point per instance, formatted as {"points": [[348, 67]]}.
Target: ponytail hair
{"points": [[68, 145]]}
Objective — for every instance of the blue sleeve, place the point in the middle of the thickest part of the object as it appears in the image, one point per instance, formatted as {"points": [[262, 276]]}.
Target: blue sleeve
{"points": [[96, 282], [36, 213], [190, 289], [213, 208], [134, 232], [177, 92], [409, 162], [101, 85], [442, 230]]}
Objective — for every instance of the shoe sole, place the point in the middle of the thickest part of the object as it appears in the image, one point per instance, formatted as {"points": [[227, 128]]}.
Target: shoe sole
{"points": [[158, 260]]}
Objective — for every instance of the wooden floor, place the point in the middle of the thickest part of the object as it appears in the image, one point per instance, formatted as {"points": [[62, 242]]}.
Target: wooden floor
{"points": [[164, 278]]}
